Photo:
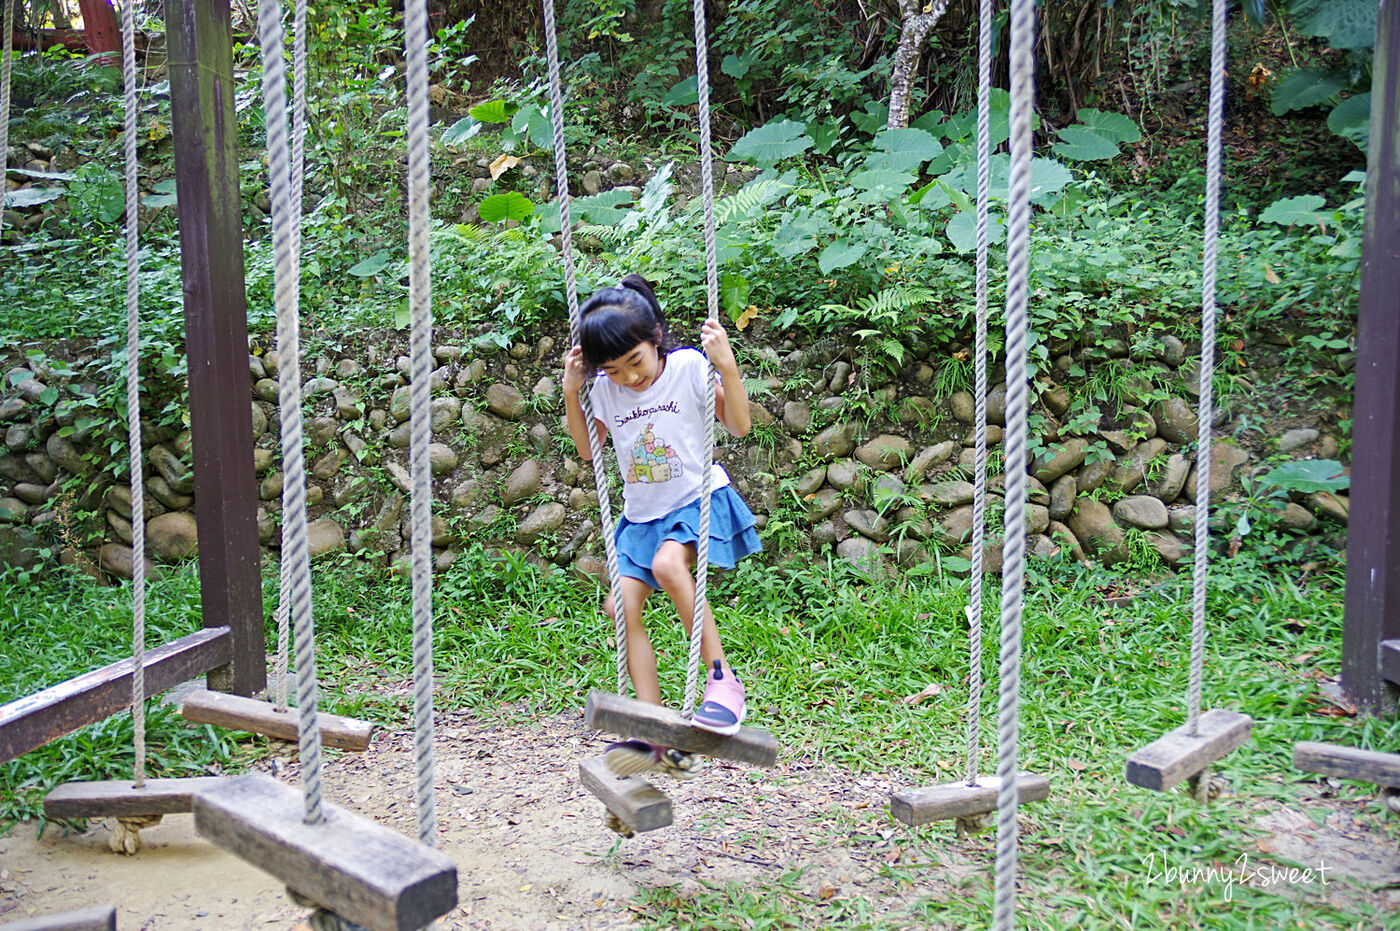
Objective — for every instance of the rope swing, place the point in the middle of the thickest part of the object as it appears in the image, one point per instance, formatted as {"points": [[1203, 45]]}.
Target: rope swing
{"points": [[1188, 752]]}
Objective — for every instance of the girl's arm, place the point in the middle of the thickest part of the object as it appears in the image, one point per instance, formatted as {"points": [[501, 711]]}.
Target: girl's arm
{"points": [[575, 378], [731, 400]]}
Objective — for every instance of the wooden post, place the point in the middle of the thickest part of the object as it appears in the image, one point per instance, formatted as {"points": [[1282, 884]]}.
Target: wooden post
{"points": [[100, 30], [205, 126], [1373, 534]]}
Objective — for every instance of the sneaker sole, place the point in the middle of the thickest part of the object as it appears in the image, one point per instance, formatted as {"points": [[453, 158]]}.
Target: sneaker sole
{"points": [[727, 730]]}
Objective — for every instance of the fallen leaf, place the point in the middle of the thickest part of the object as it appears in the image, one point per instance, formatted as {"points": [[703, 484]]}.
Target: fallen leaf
{"points": [[749, 313], [1271, 276], [527, 887], [930, 690], [1077, 766], [503, 164], [826, 891], [894, 855]]}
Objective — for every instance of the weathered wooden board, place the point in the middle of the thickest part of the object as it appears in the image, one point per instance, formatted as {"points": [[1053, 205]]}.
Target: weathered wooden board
{"points": [[260, 717], [1178, 755], [634, 800], [350, 865], [960, 800], [32, 721], [1382, 769], [617, 714], [97, 918], [117, 798]]}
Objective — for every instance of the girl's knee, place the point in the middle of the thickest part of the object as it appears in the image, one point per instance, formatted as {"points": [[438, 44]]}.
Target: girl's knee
{"points": [[671, 566]]}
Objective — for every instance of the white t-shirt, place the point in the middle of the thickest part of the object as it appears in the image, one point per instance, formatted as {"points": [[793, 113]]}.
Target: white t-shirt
{"points": [[659, 436]]}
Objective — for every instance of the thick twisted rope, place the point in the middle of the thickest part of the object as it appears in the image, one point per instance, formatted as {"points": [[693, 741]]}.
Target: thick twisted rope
{"points": [[707, 190], [566, 235], [6, 47], [298, 164], [136, 461], [1205, 408], [979, 477], [1014, 530], [420, 300], [270, 36]]}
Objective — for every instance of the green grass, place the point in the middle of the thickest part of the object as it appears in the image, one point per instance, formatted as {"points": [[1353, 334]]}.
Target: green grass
{"points": [[827, 655]]}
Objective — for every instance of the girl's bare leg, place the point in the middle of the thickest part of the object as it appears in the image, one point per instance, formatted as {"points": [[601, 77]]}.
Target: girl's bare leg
{"points": [[672, 568], [641, 658]]}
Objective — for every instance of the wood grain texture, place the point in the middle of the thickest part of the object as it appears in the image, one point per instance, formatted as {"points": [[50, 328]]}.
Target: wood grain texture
{"points": [[30, 722], [1382, 769], [97, 918], [259, 717], [348, 864], [960, 800], [617, 714], [634, 800], [117, 798], [1177, 756]]}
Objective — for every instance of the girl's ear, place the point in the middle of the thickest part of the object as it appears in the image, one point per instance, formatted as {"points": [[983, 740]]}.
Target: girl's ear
{"points": [[657, 336]]}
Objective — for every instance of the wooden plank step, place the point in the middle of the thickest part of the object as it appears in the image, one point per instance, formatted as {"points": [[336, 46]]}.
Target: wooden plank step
{"points": [[1382, 769], [352, 866], [97, 918], [1177, 755], [259, 717], [605, 711], [960, 800], [117, 798], [634, 800]]}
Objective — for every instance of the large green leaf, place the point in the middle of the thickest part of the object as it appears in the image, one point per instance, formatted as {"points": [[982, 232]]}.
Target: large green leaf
{"points": [[32, 196], [511, 205], [798, 235], [903, 150], [532, 122], [684, 93], [881, 186], [494, 111], [1308, 475], [1291, 211], [962, 230], [1048, 177], [1114, 126], [771, 143], [1351, 119], [1083, 144], [840, 254], [602, 209], [1306, 87], [373, 265], [462, 130], [734, 294], [1346, 24]]}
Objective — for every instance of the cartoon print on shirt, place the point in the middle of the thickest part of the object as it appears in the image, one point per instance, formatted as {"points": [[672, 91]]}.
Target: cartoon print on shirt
{"points": [[652, 460]]}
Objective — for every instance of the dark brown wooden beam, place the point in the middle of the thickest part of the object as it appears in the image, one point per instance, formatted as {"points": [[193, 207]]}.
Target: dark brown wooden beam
{"points": [[205, 129], [1373, 532], [30, 722], [1179, 754]]}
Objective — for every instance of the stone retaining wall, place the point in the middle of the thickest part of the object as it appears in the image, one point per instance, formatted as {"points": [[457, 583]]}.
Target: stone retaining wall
{"points": [[875, 466]]}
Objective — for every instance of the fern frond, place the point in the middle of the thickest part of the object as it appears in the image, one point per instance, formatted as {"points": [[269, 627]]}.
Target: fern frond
{"points": [[755, 196]]}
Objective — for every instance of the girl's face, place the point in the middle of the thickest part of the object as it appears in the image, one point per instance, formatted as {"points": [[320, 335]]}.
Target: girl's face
{"points": [[636, 369]]}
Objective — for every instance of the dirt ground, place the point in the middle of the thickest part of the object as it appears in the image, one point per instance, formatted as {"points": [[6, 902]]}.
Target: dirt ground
{"points": [[532, 852]]}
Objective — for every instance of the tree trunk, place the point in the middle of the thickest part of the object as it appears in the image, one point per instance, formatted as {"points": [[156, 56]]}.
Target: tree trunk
{"points": [[915, 25]]}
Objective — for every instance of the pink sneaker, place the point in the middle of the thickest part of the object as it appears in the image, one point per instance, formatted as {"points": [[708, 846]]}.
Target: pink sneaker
{"points": [[724, 708]]}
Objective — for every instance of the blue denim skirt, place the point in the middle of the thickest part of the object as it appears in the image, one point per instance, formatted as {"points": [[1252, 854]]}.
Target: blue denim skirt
{"points": [[732, 535]]}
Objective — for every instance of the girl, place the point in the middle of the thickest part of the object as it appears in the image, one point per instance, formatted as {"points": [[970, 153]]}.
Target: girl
{"points": [[651, 397]]}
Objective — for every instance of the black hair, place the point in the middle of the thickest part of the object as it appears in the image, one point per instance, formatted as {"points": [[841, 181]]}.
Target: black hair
{"points": [[614, 320]]}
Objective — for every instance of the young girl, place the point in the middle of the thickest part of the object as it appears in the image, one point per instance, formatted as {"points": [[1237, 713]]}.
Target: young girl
{"points": [[651, 397]]}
